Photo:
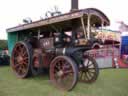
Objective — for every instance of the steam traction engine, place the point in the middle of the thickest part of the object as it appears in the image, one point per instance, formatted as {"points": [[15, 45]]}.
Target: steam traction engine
{"points": [[58, 43]]}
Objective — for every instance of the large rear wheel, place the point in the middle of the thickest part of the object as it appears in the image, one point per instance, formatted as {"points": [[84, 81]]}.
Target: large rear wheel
{"points": [[63, 72], [21, 59]]}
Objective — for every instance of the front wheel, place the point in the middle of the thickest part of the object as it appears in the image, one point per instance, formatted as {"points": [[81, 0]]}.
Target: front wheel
{"points": [[89, 70], [63, 73]]}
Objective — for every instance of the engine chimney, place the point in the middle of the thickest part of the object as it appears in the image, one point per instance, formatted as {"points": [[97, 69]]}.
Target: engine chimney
{"points": [[74, 5]]}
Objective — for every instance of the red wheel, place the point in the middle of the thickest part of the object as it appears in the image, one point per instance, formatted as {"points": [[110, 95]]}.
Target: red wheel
{"points": [[21, 59], [88, 71], [63, 72]]}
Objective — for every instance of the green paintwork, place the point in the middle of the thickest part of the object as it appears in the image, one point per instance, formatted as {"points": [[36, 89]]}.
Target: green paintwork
{"points": [[12, 39]]}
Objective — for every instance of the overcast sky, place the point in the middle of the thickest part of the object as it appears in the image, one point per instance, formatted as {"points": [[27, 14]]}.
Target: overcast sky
{"points": [[12, 12]]}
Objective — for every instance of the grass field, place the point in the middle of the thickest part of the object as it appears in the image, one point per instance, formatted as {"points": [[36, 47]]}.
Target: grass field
{"points": [[111, 82]]}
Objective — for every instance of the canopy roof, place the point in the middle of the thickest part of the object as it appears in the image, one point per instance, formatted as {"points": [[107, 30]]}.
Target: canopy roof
{"points": [[62, 19]]}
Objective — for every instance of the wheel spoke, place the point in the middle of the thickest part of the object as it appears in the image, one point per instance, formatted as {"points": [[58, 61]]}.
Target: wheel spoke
{"points": [[81, 74], [24, 62], [92, 71], [90, 65], [16, 65], [23, 50], [69, 71], [89, 74], [25, 58]]}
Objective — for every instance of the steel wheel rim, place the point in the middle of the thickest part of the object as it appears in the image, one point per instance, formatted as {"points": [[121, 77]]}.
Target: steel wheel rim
{"points": [[62, 74], [20, 60]]}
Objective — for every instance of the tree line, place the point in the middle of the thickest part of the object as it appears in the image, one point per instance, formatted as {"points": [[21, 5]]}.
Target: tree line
{"points": [[3, 44]]}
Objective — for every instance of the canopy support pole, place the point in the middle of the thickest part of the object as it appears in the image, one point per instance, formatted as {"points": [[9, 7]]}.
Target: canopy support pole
{"points": [[38, 34], [83, 26], [88, 26]]}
